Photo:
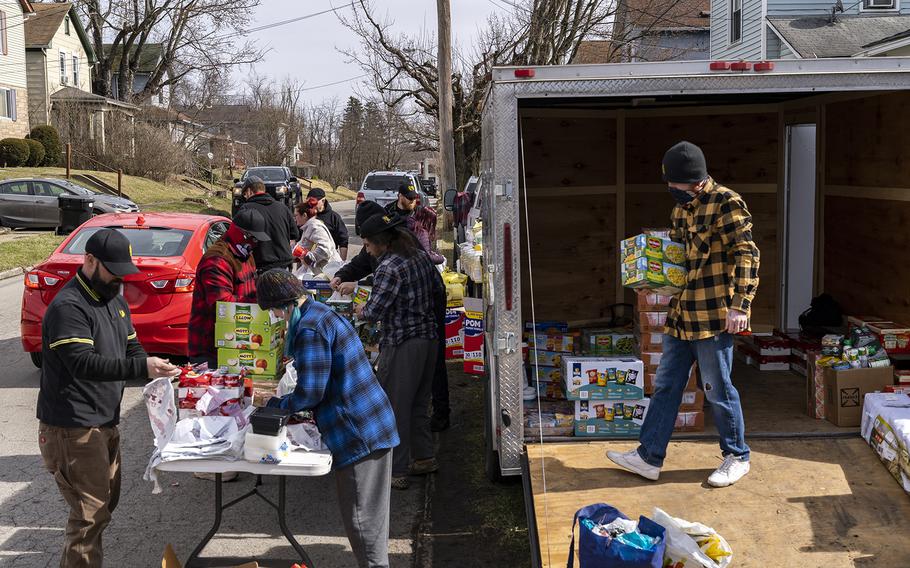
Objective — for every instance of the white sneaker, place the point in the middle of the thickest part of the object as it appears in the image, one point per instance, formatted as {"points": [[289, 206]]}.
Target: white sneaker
{"points": [[729, 472], [633, 462]]}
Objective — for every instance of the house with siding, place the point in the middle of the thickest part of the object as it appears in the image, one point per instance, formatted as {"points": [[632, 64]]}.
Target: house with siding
{"points": [[800, 29], [58, 55], [149, 60], [13, 76]]}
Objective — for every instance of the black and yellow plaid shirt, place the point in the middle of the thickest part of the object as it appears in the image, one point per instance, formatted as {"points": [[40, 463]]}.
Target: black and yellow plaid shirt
{"points": [[721, 258]]}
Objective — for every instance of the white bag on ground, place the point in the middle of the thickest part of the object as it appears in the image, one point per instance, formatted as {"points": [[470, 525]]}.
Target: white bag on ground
{"points": [[692, 544]]}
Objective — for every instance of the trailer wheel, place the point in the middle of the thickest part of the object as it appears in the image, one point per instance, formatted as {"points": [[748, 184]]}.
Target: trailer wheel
{"points": [[491, 456]]}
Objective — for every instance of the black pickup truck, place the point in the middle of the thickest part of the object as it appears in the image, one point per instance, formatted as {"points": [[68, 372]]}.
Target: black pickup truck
{"points": [[280, 183]]}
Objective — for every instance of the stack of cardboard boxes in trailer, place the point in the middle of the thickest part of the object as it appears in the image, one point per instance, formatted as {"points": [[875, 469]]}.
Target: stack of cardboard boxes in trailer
{"points": [[605, 375]]}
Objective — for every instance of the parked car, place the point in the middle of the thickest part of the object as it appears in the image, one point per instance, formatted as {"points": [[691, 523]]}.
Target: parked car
{"points": [[430, 187], [167, 248], [382, 187], [280, 183], [33, 202]]}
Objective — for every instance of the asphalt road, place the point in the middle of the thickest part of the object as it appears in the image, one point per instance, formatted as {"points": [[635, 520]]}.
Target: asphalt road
{"points": [[32, 513]]}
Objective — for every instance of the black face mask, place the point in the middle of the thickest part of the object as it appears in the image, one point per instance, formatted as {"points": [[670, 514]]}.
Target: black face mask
{"points": [[681, 197], [107, 290]]}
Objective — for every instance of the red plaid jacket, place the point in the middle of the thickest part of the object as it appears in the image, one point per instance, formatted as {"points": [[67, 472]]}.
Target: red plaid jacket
{"points": [[220, 277]]}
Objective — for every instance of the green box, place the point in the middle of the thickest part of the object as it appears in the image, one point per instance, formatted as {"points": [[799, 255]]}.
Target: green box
{"points": [[655, 248], [249, 336], [598, 341], [606, 418], [662, 277], [623, 343], [260, 364], [238, 312]]}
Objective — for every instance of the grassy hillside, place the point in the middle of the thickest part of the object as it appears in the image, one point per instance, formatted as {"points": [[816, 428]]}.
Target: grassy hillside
{"points": [[148, 194], [339, 193]]}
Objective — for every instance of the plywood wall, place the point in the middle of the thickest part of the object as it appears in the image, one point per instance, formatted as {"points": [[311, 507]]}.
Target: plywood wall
{"points": [[866, 190], [569, 152]]}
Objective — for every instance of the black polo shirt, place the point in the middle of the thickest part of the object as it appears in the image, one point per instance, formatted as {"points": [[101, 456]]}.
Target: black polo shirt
{"points": [[89, 349]]}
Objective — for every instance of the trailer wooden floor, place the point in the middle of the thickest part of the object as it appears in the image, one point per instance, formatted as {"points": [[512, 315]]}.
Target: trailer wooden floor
{"points": [[806, 503]]}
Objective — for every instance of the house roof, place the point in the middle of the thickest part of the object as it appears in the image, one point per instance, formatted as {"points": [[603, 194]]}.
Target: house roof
{"points": [[41, 28], [664, 14], [27, 7], [817, 36], [72, 94], [148, 58]]}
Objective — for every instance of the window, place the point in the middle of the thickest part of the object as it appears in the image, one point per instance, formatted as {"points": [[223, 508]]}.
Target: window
{"points": [[3, 32], [66, 25], [736, 21], [76, 71], [45, 189], [156, 242], [879, 4], [16, 188], [8, 103], [214, 233], [63, 68]]}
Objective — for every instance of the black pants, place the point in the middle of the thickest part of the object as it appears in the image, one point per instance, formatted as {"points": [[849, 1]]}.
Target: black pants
{"points": [[441, 380]]}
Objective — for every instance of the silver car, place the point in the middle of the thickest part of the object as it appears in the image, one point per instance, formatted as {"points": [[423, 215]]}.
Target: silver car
{"points": [[34, 203], [382, 187]]}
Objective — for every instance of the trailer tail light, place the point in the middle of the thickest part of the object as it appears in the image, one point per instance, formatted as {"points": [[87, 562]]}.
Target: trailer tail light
{"points": [[360, 197], [524, 73], [764, 66], [741, 66], [719, 66], [507, 262]]}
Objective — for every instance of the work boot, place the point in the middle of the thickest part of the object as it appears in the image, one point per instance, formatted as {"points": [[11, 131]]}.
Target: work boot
{"points": [[729, 472], [423, 467], [632, 461], [439, 423]]}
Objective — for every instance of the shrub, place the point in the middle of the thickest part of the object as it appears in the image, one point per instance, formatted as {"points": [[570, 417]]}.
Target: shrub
{"points": [[13, 152], [35, 154], [48, 137]]}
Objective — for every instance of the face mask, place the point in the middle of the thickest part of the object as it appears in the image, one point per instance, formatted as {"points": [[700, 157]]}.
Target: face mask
{"points": [[107, 290], [239, 242], [681, 197]]}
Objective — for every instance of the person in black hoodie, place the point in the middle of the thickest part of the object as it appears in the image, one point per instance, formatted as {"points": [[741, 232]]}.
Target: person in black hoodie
{"points": [[332, 220], [363, 265], [280, 226]]}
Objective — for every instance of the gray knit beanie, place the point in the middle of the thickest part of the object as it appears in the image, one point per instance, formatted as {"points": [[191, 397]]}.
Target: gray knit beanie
{"points": [[276, 288]]}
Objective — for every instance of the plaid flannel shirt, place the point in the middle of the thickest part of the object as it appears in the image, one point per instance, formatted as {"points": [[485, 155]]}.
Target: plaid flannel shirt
{"points": [[722, 261], [220, 277], [336, 380], [402, 298]]}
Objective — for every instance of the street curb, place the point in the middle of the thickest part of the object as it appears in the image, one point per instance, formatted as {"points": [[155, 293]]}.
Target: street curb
{"points": [[14, 272]]}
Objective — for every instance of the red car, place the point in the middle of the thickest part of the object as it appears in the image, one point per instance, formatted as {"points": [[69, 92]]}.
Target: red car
{"points": [[167, 248]]}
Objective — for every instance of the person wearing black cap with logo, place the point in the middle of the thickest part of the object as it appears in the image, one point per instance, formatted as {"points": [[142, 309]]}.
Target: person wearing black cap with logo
{"points": [[279, 224], [406, 289], [226, 273], [89, 349], [421, 220], [332, 220], [722, 262]]}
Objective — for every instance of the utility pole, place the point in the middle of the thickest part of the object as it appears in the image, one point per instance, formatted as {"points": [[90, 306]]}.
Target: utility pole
{"points": [[446, 130]]}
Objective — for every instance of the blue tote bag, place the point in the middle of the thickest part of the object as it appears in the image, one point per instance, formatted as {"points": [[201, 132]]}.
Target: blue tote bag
{"points": [[596, 551]]}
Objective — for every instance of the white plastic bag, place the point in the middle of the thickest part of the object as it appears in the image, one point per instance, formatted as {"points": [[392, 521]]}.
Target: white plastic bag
{"points": [[692, 544], [306, 436], [288, 382]]}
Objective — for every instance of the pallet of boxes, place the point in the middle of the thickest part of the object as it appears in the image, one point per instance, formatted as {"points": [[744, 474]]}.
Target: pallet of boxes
{"points": [[654, 266]]}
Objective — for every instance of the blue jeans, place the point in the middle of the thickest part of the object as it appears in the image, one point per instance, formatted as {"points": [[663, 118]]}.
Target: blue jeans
{"points": [[715, 361]]}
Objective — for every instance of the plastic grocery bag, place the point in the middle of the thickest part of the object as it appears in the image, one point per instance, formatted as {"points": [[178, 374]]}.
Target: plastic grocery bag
{"points": [[288, 382], [306, 436], [601, 551], [692, 544]]}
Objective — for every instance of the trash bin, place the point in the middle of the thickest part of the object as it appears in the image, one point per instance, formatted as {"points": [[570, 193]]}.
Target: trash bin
{"points": [[74, 210]]}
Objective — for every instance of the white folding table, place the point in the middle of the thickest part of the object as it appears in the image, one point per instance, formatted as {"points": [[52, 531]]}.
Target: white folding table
{"points": [[298, 464]]}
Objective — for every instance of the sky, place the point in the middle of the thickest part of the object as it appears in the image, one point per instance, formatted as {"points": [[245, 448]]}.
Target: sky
{"points": [[307, 50]]}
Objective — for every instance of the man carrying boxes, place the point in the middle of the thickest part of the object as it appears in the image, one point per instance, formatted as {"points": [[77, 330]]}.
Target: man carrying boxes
{"points": [[715, 227]]}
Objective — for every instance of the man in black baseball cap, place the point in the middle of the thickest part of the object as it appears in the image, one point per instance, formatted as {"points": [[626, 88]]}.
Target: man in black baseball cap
{"points": [[332, 220], [278, 224], [252, 223], [89, 350]]}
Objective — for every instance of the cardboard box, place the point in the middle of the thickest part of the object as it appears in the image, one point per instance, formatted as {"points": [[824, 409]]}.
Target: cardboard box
{"points": [[603, 378], [650, 341], [559, 342], [844, 392], [601, 417], [651, 359], [902, 376], [654, 248], [260, 363], [690, 422], [454, 324], [652, 302], [550, 326], [553, 391], [170, 560], [545, 374], [473, 336], [691, 385], [894, 337], [242, 313], [253, 336], [597, 342], [651, 321], [662, 277], [547, 358], [692, 401]]}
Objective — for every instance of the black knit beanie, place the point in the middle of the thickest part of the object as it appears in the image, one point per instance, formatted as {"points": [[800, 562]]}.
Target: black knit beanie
{"points": [[364, 211], [277, 288], [684, 163]]}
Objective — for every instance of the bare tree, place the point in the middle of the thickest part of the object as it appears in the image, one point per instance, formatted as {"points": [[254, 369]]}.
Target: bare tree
{"points": [[187, 36]]}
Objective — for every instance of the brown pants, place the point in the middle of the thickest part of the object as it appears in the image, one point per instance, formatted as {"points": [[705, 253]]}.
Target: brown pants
{"points": [[85, 463]]}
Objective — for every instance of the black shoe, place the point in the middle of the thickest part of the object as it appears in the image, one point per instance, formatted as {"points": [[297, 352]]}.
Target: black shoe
{"points": [[439, 423]]}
